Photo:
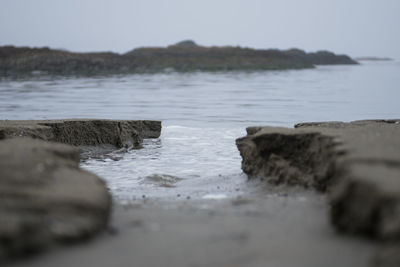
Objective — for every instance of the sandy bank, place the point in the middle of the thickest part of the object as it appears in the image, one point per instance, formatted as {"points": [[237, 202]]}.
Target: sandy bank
{"points": [[357, 163], [83, 132], [46, 199]]}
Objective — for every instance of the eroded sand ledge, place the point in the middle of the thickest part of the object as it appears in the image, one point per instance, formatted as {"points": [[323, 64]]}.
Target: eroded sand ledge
{"points": [[46, 199], [357, 163], [83, 132]]}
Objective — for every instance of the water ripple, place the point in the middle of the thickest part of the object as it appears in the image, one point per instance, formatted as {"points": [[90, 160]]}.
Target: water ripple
{"points": [[202, 114]]}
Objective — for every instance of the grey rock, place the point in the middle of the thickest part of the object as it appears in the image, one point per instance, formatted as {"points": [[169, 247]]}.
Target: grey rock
{"points": [[46, 199]]}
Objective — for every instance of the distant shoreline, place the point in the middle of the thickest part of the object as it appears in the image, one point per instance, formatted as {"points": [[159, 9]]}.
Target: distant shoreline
{"points": [[374, 59], [184, 56]]}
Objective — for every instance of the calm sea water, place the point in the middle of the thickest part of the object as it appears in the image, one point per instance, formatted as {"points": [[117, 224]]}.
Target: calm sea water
{"points": [[202, 115]]}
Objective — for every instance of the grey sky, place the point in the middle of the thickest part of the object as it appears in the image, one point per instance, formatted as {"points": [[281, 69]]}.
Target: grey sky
{"points": [[354, 27]]}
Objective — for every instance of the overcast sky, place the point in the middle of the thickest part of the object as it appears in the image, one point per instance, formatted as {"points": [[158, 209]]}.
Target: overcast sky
{"points": [[354, 27]]}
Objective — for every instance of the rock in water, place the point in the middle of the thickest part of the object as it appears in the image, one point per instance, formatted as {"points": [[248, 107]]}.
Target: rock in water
{"points": [[46, 198]]}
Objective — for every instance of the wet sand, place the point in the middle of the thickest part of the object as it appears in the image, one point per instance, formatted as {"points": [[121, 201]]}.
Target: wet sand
{"points": [[277, 229]]}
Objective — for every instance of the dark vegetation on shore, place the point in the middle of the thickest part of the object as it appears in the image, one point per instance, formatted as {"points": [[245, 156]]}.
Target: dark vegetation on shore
{"points": [[183, 56]]}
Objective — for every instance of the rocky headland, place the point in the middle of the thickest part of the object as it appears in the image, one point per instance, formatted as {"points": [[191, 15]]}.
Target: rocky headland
{"points": [[46, 199], [183, 56], [357, 163]]}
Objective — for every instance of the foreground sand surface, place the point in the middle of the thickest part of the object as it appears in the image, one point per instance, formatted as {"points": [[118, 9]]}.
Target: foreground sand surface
{"points": [[274, 230]]}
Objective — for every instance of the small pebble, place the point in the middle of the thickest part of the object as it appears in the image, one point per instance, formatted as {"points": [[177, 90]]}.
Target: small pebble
{"points": [[178, 195], [188, 197], [144, 196]]}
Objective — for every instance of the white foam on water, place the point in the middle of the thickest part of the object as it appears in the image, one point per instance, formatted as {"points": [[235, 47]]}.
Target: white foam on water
{"points": [[215, 196]]}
